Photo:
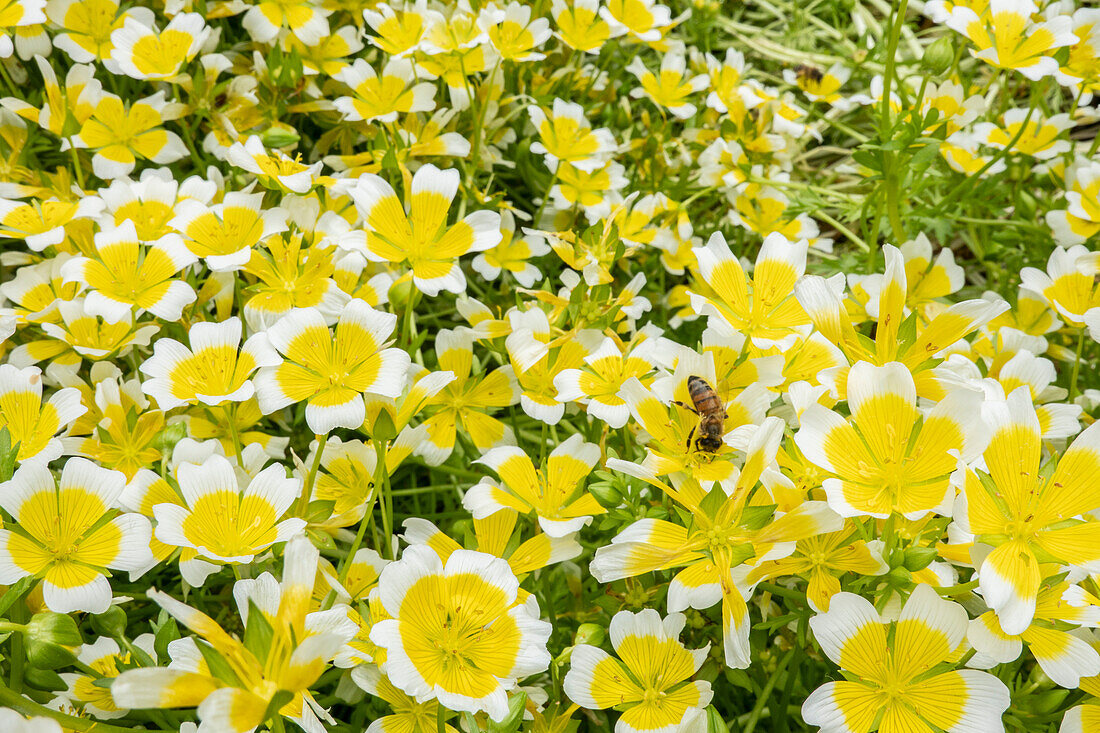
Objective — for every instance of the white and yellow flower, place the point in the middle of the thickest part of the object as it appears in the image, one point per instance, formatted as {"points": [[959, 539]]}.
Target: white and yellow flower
{"points": [[141, 51], [330, 372], [212, 371], [417, 233], [306, 19], [42, 223], [1006, 36], [1034, 135], [457, 632], [888, 457], [650, 679], [642, 20], [671, 87], [68, 533], [31, 424], [383, 96], [579, 25], [513, 254], [400, 28], [566, 136], [887, 677], [555, 494], [125, 276], [121, 134], [513, 33], [224, 523], [273, 169], [223, 234]]}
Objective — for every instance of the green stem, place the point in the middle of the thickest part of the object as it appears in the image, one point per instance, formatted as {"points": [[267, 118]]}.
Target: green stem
{"points": [[231, 416], [542, 445], [440, 718], [888, 537], [77, 170], [307, 490], [410, 307], [1076, 364], [762, 698], [546, 196], [852, 236], [778, 590], [968, 182], [380, 476], [886, 125], [7, 79], [18, 650], [385, 501]]}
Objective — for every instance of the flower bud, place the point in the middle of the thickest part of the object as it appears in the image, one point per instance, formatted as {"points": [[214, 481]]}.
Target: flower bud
{"points": [[167, 438], [280, 135], [52, 640], [383, 427], [939, 56], [400, 291], [918, 558], [593, 634], [43, 679], [899, 576], [607, 495], [111, 623]]}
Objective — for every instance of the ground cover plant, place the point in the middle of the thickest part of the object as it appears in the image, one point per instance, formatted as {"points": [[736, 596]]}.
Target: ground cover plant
{"points": [[551, 366]]}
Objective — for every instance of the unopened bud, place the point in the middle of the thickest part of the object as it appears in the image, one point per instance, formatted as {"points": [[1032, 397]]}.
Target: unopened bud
{"points": [[52, 640], [939, 56], [918, 558], [280, 135], [43, 679], [607, 495], [168, 437], [593, 634], [111, 623]]}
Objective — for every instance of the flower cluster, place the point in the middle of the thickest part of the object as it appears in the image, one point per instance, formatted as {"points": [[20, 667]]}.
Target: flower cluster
{"points": [[407, 366]]}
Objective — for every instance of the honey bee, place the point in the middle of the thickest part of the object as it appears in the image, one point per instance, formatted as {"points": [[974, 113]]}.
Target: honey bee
{"points": [[711, 412], [812, 73]]}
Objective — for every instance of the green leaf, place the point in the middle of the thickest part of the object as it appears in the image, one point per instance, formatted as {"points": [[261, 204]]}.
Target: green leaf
{"points": [[218, 665], [258, 633], [277, 703], [713, 501], [757, 517], [166, 633]]}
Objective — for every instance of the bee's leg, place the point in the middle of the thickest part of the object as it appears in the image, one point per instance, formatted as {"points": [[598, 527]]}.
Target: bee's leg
{"points": [[690, 436], [678, 403]]}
